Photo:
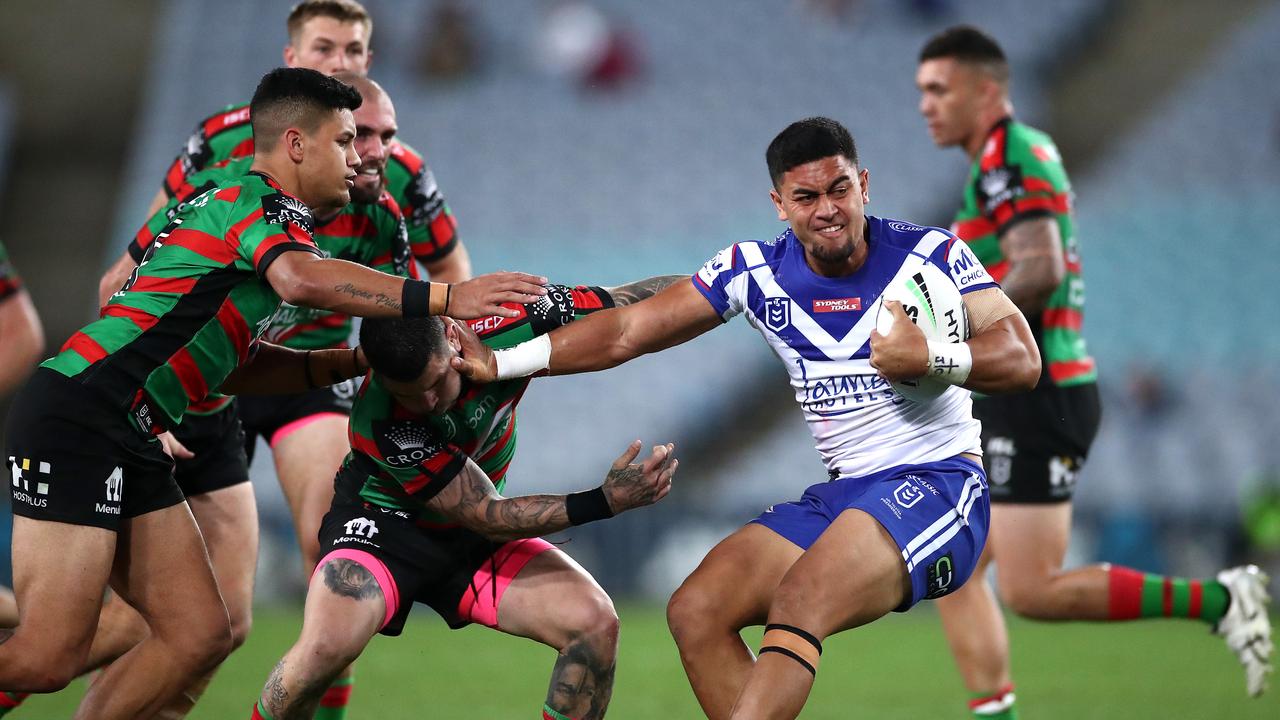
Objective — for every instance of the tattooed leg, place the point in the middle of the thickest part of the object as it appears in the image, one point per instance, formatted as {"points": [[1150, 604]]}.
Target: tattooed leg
{"points": [[344, 610], [581, 683]]}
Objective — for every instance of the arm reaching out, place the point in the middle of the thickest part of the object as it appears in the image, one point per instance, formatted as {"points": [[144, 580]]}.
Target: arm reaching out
{"points": [[301, 278], [472, 500], [601, 340], [276, 370]]}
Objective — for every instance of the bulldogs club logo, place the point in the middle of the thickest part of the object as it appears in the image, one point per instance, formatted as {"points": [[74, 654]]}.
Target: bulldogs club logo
{"points": [[777, 313]]}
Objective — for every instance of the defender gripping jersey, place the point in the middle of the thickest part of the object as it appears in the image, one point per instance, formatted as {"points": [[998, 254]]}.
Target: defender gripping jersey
{"points": [[193, 308], [1019, 176], [399, 460], [10, 283], [820, 328], [228, 135]]}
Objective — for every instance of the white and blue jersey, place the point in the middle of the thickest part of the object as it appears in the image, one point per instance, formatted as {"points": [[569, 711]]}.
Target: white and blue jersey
{"points": [[821, 327], [890, 457]]}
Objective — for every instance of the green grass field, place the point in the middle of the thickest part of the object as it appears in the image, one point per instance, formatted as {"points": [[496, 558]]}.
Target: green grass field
{"points": [[895, 668]]}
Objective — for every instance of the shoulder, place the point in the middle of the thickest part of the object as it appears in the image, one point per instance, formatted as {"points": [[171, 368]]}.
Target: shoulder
{"points": [[907, 236], [411, 159], [231, 116], [256, 201]]}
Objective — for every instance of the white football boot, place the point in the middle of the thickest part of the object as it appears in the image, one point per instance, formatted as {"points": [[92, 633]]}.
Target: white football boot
{"points": [[1246, 626]]}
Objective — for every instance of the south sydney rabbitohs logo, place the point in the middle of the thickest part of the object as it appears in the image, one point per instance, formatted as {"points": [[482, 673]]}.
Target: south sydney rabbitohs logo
{"points": [[777, 313], [405, 443], [280, 209]]}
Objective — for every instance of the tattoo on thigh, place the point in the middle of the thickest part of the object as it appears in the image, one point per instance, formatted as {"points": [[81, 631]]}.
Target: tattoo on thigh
{"points": [[581, 683], [349, 578]]}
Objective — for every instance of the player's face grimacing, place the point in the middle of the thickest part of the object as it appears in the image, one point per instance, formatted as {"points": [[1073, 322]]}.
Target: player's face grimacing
{"points": [[375, 127], [329, 45], [329, 163], [949, 99], [823, 201]]}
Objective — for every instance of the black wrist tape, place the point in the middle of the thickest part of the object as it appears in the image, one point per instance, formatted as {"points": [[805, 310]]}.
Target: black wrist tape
{"points": [[415, 299], [584, 507]]}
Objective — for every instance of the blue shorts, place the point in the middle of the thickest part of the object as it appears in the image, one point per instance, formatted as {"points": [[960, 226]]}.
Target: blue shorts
{"points": [[938, 514]]}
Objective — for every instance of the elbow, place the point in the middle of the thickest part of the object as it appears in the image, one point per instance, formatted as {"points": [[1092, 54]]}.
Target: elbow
{"points": [[297, 289], [1031, 369]]}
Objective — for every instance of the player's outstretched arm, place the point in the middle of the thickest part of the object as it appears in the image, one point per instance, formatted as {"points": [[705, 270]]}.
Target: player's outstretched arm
{"points": [[601, 340], [472, 500], [276, 370], [1002, 352], [301, 278]]}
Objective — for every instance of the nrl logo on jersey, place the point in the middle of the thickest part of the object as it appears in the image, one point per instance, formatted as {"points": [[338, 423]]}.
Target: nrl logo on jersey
{"points": [[280, 209], [777, 313]]}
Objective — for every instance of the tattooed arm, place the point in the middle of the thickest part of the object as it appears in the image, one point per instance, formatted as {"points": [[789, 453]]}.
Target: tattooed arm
{"points": [[301, 278], [471, 499], [636, 291]]}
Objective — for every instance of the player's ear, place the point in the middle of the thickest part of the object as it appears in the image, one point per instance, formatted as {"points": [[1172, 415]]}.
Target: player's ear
{"points": [[777, 203], [294, 143], [451, 334], [864, 181], [290, 57]]}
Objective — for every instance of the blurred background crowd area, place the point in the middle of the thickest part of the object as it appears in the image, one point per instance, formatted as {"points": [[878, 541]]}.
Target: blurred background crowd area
{"points": [[598, 141]]}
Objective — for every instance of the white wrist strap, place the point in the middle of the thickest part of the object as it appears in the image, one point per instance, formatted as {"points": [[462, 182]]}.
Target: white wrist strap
{"points": [[949, 362], [525, 359]]}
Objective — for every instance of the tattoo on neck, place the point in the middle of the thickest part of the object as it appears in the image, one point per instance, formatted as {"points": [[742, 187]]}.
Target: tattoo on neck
{"points": [[349, 578]]}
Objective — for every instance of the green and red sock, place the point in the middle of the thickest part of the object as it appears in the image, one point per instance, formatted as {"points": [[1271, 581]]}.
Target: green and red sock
{"points": [[260, 713], [10, 700], [998, 705], [1136, 595], [333, 706], [549, 714]]}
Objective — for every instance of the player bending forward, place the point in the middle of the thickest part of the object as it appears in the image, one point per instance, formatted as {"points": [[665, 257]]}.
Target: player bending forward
{"points": [[904, 515], [417, 516]]}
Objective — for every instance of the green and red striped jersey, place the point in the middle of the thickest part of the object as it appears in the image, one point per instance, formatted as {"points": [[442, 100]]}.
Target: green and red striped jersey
{"points": [[10, 283], [399, 459], [197, 303], [1019, 176], [228, 135]]}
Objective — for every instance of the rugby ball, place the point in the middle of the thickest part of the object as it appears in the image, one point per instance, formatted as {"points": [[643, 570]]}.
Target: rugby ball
{"points": [[933, 302]]}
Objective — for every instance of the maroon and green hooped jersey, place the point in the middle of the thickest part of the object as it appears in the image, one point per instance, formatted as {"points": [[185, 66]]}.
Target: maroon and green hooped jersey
{"points": [[228, 135], [194, 307], [399, 460], [1018, 176], [10, 283]]}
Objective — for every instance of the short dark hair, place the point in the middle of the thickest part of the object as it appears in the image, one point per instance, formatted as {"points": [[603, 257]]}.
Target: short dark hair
{"points": [[344, 11], [969, 45], [295, 97], [805, 141], [400, 348]]}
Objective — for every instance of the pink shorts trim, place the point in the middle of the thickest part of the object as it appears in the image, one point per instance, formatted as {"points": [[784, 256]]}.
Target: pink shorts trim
{"points": [[390, 591], [290, 428], [481, 600]]}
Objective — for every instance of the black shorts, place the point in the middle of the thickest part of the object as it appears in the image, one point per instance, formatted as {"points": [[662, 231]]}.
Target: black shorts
{"points": [[460, 574], [218, 443], [1035, 443], [266, 415], [75, 457]]}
